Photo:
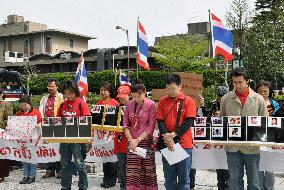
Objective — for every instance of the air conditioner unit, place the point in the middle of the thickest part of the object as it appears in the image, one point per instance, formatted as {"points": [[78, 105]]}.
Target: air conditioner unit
{"points": [[19, 57], [10, 57], [65, 56]]}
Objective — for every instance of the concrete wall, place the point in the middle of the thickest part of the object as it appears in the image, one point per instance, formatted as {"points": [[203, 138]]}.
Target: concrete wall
{"points": [[61, 42]]}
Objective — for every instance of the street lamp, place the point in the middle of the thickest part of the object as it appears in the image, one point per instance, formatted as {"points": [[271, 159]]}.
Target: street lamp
{"points": [[126, 31]]}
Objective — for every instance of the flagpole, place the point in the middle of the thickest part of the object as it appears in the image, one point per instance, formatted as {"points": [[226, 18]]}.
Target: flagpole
{"points": [[210, 40], [137, 65], [210, 35]]}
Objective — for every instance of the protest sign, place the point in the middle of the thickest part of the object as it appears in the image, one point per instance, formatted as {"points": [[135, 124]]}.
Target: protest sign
{"points": [[103, 147], [22, 127]]}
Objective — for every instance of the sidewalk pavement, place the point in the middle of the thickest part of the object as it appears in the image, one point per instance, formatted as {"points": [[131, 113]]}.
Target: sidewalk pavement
{"points": [[205, 180]]}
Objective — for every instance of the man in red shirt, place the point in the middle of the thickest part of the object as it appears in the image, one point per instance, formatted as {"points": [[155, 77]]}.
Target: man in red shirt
{"points": [[242, 101], [73, 106], [168, 107], [48, 107]]}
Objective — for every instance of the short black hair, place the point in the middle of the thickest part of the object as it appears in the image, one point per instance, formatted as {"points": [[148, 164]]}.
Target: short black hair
{"points": [[173, 78], [138, 86], [25, 99], [70, 85], [108, 86], [52, 80], [266, 84], [240, 71]]}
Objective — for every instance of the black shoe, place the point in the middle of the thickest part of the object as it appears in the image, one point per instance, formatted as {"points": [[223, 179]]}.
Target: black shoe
{"points": [[31, 180], [107, 185], [24, 180]]}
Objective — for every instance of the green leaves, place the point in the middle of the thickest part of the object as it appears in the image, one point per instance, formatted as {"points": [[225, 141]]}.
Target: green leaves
{"points": [[183, 52]]}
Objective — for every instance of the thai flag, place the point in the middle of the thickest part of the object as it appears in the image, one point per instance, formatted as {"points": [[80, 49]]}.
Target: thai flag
{"points": [[124, 80], [142, 46], [81, 79], [222, 39]]}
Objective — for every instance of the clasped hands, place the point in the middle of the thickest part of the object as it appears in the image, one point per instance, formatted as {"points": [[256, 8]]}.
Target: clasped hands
{"points": [[169, 140]]}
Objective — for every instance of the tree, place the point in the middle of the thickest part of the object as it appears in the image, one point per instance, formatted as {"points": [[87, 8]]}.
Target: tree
{"points": [[265, 41], [182, 53], [238, 19], [30, 72]]}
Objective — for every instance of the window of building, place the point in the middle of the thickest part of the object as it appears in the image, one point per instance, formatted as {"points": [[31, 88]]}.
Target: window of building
{"points": [[9, 45], [26, 47], [4, 47], [71, 43], [47, 43], [31, 40]]}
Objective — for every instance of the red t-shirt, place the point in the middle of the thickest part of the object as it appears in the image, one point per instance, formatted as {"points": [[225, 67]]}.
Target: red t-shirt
{"points": [[243, 96], [165, 109], [120, 146], [34, 112], [74, 108]]}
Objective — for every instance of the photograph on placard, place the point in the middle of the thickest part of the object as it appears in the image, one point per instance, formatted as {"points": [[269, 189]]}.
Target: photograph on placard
{"points": [[45, 121], [254, 121], [96, 108], [235, 132], [110, 109], [83, 120], [200, 132], [234, 120], [274, 122], [217, 121], [57, 121], [69, 120], [200, 121], [217, 132]]}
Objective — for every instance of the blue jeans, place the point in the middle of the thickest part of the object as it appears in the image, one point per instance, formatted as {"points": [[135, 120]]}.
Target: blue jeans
{"points": [[67, 150], [121, 157], [29, 169], [267, 180], [177, 175], [236, 163]]}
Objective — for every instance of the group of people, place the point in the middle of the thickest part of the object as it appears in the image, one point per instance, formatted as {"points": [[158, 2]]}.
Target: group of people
{"points": [[173, 115]]}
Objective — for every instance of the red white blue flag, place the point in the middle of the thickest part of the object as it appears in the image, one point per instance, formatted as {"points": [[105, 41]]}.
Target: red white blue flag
{"points": [[142, 46], [123, 79], [222, 39], [81, 79]]}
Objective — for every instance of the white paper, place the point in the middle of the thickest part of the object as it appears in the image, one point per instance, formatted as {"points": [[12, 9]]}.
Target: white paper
{"points": [[175, 156], [140, 151]]}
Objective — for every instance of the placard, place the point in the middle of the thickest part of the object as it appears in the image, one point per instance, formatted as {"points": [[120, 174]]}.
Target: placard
{"points": [[67, 128], [107, 118], [250, 130]]}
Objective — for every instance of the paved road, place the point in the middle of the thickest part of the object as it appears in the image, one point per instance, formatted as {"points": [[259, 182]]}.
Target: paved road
{"points": [[205, 180]]}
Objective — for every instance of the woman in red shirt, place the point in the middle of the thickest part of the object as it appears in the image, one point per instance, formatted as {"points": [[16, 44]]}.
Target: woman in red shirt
{"points": [[73, 106], [26, 109], [109, 168]]}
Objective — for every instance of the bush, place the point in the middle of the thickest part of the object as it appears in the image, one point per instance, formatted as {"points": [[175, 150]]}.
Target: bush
{"points": [[151, 79]]}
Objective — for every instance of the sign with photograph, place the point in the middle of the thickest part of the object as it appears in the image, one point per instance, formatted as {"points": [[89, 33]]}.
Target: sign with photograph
{"points": [[68, 128], [107, 118], [239, 129]]}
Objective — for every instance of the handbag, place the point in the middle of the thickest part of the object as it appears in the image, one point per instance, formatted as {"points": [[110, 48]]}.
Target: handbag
{"points": [[160, 143]]}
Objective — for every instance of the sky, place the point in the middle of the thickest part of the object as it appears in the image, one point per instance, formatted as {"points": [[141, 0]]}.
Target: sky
{"points": [[98, 18]]}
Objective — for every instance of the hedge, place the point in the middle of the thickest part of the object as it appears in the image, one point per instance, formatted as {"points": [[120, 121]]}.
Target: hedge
{"points": [[151, 79]]}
